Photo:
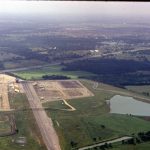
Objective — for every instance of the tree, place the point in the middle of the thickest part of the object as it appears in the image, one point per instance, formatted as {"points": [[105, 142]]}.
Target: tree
{"points": [[103, 126]]}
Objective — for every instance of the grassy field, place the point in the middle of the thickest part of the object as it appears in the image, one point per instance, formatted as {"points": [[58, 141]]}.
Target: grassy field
{"points": [[142, 146], [139, 89], [52, 70], [55, 105], [4, 123], [92, 120], [22, 63], [25, 124]]}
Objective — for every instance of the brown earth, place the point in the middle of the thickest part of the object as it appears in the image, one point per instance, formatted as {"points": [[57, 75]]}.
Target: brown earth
{"points": [[52, 90]]}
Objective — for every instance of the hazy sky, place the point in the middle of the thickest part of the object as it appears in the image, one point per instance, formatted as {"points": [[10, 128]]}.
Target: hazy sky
{"points": [[84, 8]]}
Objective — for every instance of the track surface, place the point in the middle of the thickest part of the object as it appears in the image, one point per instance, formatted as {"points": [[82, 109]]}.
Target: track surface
{"points": [[44, 122]]}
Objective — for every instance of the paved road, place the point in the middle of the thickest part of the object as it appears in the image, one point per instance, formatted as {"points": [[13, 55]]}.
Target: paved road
{"points": [[44, 122], [108, 142]]}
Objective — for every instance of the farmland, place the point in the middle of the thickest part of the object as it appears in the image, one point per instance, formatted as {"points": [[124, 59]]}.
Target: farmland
{"points": [[51, 70]]}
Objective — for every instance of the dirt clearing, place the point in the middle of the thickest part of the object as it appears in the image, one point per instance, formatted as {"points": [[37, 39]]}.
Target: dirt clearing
{"points": [[52, 90], [5, 80]]}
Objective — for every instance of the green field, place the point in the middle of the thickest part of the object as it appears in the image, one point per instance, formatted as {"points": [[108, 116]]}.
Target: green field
{"points": [[4, 123], [26, 126], [22, 63], [87, 122], [52, 70], [142, 146], [139, 89], [55, 105]]}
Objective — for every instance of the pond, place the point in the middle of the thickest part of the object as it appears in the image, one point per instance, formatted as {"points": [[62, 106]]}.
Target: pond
{"points": [[128, 105]]}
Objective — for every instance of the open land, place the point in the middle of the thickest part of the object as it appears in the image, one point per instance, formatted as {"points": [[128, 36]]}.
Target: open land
{"points": [[59, 90], [33, 74], [85, 123], [15, 123], [5, 80], [89, 113], [75, 105]]}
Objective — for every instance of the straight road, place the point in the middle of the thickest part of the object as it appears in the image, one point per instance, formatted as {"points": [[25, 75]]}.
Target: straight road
{"points": [[108, 142], [45, 124]]}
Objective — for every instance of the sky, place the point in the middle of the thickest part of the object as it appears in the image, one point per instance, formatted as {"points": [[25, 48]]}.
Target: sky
{"points": [[75, 8]]}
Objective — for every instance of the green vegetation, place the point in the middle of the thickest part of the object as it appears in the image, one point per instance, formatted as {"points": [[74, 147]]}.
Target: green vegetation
{"points": [[142, 146], [26, 126], [91, 122], [22, 63], [142, 89], [55, 105], [4, 123], [51, 70]]}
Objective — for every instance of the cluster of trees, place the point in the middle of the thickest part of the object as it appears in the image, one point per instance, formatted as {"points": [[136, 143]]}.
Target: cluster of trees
{"points": [[102, 147], [1, 66], [144, 136], [55, 77], [141, 137], [146, 93], [73, 144], [108, 66], [113, 71]]}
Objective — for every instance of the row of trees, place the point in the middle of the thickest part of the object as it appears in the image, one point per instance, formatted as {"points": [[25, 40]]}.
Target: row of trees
{"points": [[55, 77], [141, 137]]}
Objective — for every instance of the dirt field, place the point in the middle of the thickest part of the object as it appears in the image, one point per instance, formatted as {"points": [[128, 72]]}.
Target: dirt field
{"points": [[70, 84], [7, 84], [58, 89], [4, 81]]}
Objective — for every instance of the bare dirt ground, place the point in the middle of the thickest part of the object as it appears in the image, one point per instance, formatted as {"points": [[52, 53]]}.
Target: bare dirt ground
{"points": [[59, 90], [4, 81]]}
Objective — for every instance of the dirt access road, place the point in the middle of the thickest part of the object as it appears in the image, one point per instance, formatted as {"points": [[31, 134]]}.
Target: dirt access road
{"points": [[108, 142], [45, 124]]}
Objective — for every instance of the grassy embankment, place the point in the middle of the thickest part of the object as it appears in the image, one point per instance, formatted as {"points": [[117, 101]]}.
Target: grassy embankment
{"points": [[139, 89]]}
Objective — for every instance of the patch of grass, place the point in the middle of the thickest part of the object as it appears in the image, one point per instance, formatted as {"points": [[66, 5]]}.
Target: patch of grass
{"points": [[139, 89], [55, 105], [4, 123], [26, 126], [22, 63], [52, 70], [142, 146]]}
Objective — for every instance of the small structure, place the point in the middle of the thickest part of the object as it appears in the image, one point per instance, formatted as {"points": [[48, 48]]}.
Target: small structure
{"points": [[21, 141]]}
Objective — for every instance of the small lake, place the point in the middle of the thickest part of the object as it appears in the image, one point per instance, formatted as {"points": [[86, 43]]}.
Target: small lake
{"points": [[128, 105]]}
